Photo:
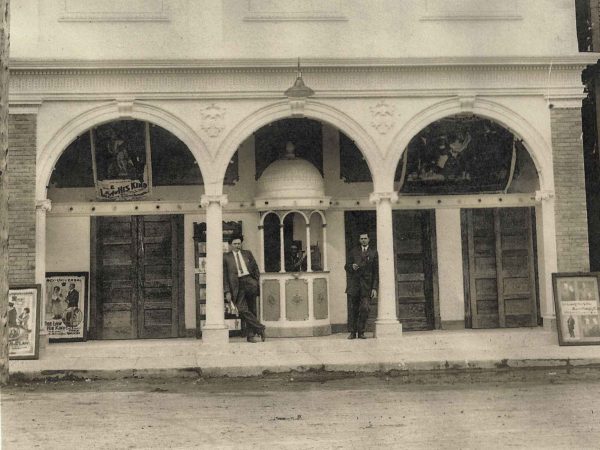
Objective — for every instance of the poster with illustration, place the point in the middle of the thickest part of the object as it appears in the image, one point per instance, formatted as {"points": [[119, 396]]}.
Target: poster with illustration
{"points": [[23, 321], [65, 311], [577, 301], [121, 160]]}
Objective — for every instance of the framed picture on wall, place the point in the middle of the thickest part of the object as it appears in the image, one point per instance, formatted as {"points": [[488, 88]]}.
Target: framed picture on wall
{"points": [[577, 302], [23, 321], [66, 309]]}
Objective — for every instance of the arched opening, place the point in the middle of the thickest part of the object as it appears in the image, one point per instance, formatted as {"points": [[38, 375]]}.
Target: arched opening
{"points": [[120, 191], [467, 225], [297, 178]]}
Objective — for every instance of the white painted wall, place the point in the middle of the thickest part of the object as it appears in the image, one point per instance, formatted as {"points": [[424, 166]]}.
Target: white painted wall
{"points": [[450, 264], [210, 29], [67, 244]]}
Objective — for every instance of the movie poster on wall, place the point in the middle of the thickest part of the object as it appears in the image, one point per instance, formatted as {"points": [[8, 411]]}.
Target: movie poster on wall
{"points": [[121, 160], [65, 314], [22, 321]]}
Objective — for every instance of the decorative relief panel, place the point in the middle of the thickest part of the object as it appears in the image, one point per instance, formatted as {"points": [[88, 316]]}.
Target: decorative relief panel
{"points": [[296, 300], [383, 117], [320, 300], [472, 10], [271, 300], [280, 10], [213, 120], [113, 11]]}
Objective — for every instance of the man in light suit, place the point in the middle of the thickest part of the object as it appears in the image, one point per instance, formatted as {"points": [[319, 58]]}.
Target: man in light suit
{"points": [[363, 280], [240, 284]]}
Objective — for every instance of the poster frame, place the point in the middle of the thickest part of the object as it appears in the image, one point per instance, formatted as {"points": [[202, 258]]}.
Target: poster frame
{"points": [[83, 305], [574, 285], [37, 288]]}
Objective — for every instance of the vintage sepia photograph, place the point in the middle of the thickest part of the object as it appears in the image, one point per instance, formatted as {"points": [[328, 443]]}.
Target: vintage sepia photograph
{"points": [[300, 224]]}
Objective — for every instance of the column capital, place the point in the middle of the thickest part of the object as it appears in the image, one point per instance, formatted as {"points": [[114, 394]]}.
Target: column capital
{"points": [[541, 196], [208, 199], [378, 197], [43, 205]]}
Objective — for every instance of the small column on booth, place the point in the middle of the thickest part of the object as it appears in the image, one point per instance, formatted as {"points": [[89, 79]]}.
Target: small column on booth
{"points": [[215, 331], [308, 255], [387, 324], [281, 249], [41, 209]]}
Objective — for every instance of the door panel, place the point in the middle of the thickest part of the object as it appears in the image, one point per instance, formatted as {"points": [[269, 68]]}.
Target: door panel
{"points": [[500, 269], [138, 261], [115, 279], [413, 237], [158, 269]]}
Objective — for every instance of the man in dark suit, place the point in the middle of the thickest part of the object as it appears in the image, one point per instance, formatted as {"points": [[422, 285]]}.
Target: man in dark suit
{"points": [[363, 280], [72, 300], [240, 284]]}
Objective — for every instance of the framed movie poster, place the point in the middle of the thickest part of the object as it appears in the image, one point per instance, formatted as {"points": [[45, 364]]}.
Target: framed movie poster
{"points": [[65, 312], [577, 301], [23, 321]]}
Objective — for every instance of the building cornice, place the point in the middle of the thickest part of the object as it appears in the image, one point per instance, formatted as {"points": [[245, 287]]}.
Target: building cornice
{"points": [[38, 81], [287, 64]]}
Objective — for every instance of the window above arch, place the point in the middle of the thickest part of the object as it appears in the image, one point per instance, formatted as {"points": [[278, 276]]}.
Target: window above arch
{"points": [[172, 163], [466, 154]]}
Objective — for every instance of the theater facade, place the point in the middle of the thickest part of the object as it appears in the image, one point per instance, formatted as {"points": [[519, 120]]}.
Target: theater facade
{"points": [[141, 139]]}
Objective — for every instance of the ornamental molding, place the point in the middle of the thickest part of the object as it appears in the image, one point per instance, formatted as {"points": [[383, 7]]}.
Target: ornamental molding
{"points": [[72, 85], [208, 199], [212, 120], [541, 196], [383, 116], [297, 10], [43, 205], [378, 197], [114, 11]]}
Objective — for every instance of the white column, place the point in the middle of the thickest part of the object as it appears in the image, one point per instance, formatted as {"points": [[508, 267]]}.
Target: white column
{"points": [[547, 254], [215, 331], [450, 268], [308, 256], [387, 324], [41, 208]]}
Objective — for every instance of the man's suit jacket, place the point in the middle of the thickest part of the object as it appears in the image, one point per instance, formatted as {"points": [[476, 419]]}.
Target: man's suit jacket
{"points": [[72, 299], [230, 271], [366, 278]]}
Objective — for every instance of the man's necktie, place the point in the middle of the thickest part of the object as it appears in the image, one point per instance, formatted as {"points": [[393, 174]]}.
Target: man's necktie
{"points": [[239, 263]]}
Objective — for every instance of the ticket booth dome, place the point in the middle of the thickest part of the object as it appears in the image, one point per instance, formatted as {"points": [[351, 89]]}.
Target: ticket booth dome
{"points": [[290, 182]]}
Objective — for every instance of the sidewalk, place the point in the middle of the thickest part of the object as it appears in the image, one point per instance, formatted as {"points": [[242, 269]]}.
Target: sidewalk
{"points": [[414, 351]]}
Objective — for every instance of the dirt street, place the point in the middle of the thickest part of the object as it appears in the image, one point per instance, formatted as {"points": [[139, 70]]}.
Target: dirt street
{"points": [[512, 409]]}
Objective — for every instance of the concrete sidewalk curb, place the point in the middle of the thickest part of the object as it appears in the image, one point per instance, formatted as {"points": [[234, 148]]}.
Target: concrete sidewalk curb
{"points": [[378, 368]]}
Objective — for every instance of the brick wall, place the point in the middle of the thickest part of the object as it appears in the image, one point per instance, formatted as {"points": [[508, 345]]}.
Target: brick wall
{"points": [[569, 179], [21, 203]]}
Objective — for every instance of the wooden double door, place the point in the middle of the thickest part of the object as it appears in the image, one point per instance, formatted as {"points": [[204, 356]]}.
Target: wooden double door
{"points": [[499, 265], [414, 263], [136, 277]]}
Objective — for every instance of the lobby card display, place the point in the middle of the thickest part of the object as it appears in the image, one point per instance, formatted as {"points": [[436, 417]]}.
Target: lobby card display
{"points": [[65, 313], [577, 301], [23, 321]]}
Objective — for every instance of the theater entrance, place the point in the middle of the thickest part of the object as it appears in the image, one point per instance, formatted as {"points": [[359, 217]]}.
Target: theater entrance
{"points": [[136, 276], [499, 268], [415, 265]]}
